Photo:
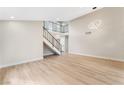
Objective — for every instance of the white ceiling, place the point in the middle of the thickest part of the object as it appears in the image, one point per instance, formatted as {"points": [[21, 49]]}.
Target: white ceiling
{"points": [[43, 13]]}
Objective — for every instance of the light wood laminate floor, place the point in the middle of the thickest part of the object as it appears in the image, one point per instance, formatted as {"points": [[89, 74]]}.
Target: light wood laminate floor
{"points": [[66, 69]]}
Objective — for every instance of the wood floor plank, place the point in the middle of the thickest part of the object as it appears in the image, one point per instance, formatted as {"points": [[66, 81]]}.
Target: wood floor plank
{"points": [[66, 69]]}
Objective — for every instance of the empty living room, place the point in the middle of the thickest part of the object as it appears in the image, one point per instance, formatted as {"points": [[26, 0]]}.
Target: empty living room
{"points": [[61, 45]]}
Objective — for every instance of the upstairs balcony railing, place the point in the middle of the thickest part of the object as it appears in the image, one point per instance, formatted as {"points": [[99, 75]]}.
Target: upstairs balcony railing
{"points": [[56, 26]]}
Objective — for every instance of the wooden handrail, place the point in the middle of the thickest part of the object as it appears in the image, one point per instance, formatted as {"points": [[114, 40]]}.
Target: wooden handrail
{"points": [[51, 35], [47, 35]]}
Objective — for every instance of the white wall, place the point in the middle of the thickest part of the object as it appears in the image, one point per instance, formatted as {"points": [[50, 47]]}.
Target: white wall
{"points": [[1, 45], [21, 42], [106, 41]]}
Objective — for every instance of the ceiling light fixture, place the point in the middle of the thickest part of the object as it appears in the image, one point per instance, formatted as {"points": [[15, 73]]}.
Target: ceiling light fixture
{"points": [[12, 17], [57, 19]]}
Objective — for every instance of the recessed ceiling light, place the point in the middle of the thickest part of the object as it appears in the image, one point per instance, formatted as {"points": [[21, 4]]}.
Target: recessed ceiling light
{"points": [[12, 17], [57, 19]]}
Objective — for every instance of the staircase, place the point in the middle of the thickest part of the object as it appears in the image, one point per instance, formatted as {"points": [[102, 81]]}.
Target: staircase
{"points": [[51, 42]]}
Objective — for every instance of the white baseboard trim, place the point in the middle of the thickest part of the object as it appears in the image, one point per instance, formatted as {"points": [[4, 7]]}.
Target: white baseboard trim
{"points": [[48, 54], [21, 62], [101, 57]]}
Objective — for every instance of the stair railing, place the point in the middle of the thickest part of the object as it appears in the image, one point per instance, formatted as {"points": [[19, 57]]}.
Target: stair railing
{"points": [[47, 35]]}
